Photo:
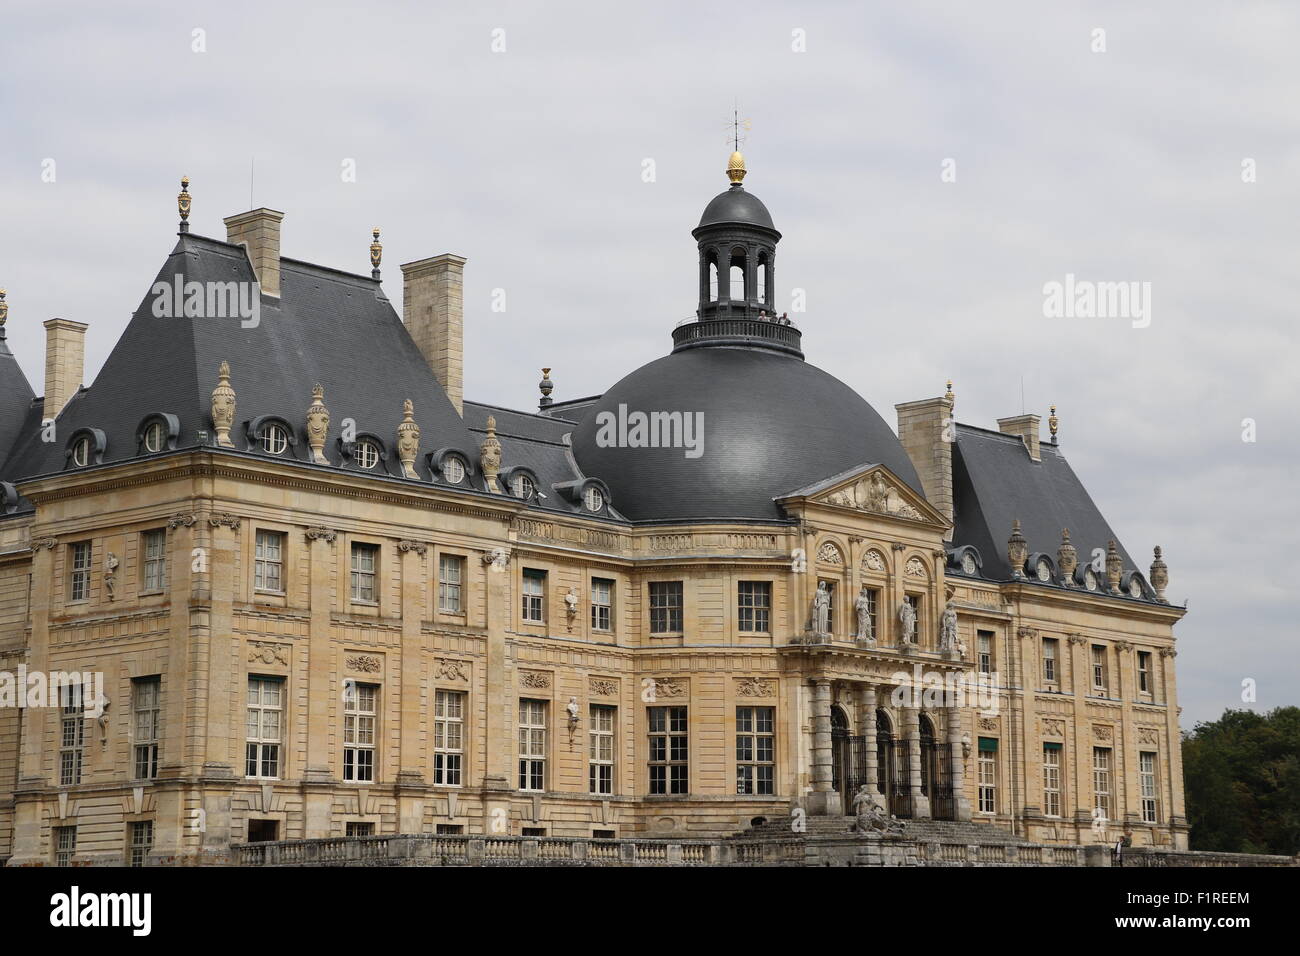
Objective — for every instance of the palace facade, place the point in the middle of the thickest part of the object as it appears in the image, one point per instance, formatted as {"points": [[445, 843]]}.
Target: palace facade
{"points": [[299, 587]]}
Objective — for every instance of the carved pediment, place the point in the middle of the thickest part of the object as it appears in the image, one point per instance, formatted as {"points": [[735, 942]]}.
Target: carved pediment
{"points": [[874, 490]]}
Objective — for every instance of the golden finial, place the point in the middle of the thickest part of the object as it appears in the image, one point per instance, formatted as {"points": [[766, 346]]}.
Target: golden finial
{"points": [[1052, 423], [4, 313], [183, 203], [736, 168], [376, 254]]}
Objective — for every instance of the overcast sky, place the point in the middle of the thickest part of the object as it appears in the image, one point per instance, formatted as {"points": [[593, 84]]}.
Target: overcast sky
{"points": [[1125, 164]]}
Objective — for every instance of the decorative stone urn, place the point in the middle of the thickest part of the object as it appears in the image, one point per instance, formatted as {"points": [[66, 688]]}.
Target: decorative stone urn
{"points": [[1017, 550], [223, 406], [318, 425], [490, 456], [1067, 558], [408, 440], [1160, 576], [1114, 567]]}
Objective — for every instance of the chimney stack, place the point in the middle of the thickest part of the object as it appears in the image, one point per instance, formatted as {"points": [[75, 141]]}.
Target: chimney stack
{"points": [[434, 312], [1025, 427], [926, 429], [65, 358], [258, 231]]}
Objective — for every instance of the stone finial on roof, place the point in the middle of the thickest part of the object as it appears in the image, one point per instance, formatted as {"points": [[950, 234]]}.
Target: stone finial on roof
{"points": [[490, 456], [546, 386], [1159, 576], [949, 397], [1067, 558], [318, 425], [376, 254], [4, 314], [1052, 423], [1017, 550], [1114, 567], [408, 440], [223, 406], [183, 203]]}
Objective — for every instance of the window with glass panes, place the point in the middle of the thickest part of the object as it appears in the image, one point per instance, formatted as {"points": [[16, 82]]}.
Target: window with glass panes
{"points": [[154, 547], [602, 598], [668, 749], [72, 734], [1098, 667], [665, 607], [65, 845], [1101, 780], [600, 754], [1147, 784], [987, 775], [1144, 672], [534, 607], [1052, 779], [268, 562], [264, 721], [448, 737], [451, 574], [1050, 645], [79, 571], [984, 648], [755, 750], [532, 745], [359, 732], [357, 828], [365, 561], [754, 606], [145, 712], [830, 603], [141, 841]]}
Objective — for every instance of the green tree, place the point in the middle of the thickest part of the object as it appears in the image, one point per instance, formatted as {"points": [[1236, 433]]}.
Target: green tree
{"points": [[1242, 777]]}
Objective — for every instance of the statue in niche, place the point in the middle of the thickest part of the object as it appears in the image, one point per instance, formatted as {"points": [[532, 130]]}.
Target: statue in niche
{"points": [[821, 611], [948, 628], [907, 618], [862, 605]]}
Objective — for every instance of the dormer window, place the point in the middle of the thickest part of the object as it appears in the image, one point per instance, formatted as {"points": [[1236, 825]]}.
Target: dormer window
{"points": [[1043, 570], [453, 470], [593, 499], [367, 454], [81, 452], [155, 436], [522, 487], [275, 439]]}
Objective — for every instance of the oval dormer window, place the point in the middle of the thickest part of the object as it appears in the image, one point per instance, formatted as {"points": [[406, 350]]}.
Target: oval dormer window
{"points": [[274, 439], [593, 498], [1135, 587], [1090, 580], [1043, 570], [81, 452], [968, 563], [155, 437], [367, 454], [523, 487], [454, 470]]}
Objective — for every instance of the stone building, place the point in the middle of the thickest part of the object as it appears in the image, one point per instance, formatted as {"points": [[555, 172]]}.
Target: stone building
{"points": [[303, 588]]}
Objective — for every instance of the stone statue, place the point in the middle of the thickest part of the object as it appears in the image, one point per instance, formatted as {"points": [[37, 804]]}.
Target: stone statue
{"points": [[821, 611], [572, 708], [571, 606], [110, 575], [907, 618], [948, 628], [878, 495], [870, 815], [862, 605]]}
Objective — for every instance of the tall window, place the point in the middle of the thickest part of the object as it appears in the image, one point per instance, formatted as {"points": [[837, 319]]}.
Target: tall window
{"points": [[359, 732], [65, 845], [984, 647], [1101, 780], [534, 608], [154, 546], [72, 734], [451, 574], [600, 757], [915, 601], [1147, 782], [141, 841], [532, 745], [755, 750], [665, 607], [365, 559], [1099, 668], [145, 711], [602, 598], [873, 605], [1052, 779], [1050, 645], [987, 768], [668, 750], [448, 737], [1144, 672], [268, 564], [262, 733], [79, 571], [754, 606]]}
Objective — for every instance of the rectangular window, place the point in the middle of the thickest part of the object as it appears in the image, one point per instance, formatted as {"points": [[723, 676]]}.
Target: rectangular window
{"points": [[141, 841], [359, 733], [754, 606], [268, 564], [154, 547], [755, 750], [984, 647], [449, 829], [534, 831], [1099, 668], [665, 607], [146, 693], [365, 559], [988, 775], [600, 757], [356, 828], [534, 608], [532, 745], [262, 735], [1101, 780], [79, 571], [65, 845], [1052, 779], [915, 601], [1050, 645], [668, 750], [1147, 781], [1144, 672], [448, 737], [602, 604], [830, 604], [451, 575], [72, 734], [873, 612]]}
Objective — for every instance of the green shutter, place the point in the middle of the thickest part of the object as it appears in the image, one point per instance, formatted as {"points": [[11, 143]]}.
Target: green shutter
{"points": [[988, 745], [1051, 745]]}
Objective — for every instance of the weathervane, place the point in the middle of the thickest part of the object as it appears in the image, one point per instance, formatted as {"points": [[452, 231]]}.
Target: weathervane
{"points": [[736, 125]]}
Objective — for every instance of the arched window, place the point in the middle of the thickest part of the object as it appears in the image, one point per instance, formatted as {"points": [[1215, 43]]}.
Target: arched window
{"points": [[762, 279], [737, 283], [713, 279]]}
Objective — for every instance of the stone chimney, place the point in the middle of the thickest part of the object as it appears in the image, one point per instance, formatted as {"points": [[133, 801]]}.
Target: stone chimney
{"points": [[258, 231], [1025, 427], [927, 430], [434, 312], [65, 359]]}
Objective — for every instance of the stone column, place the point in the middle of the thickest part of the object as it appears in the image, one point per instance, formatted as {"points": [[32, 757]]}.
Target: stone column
{"points": [[912, 728], [411, 779], [318, 775], [823, 801], [957, 766], [867, 719]]}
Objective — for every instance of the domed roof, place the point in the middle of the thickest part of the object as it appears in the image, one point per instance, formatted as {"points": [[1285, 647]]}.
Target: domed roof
{"points": [[736, 206], [772, 424]]}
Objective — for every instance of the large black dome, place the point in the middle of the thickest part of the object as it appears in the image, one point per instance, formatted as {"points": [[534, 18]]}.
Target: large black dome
{"points": [[772, 424], [736, 206]]}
